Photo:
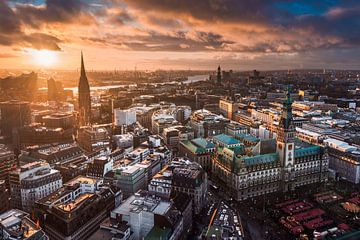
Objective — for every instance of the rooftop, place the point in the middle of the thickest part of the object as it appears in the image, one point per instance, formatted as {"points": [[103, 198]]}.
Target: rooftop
{"points": [[225, 139]]}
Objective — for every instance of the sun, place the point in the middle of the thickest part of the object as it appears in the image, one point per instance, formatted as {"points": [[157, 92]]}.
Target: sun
{"points": [[44, 58]]}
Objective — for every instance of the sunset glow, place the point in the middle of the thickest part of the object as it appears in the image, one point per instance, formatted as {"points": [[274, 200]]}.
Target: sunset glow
{"points": [[44, 58]]}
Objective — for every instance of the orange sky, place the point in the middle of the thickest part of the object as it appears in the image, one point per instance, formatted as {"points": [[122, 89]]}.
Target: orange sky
{"points": [[159, 34]]}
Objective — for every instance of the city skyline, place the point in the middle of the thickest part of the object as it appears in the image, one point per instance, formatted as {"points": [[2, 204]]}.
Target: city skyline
{"points": [[149, 35]]}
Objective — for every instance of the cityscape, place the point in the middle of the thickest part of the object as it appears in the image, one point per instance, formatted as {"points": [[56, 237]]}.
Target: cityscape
{"points": [[209, 119]]}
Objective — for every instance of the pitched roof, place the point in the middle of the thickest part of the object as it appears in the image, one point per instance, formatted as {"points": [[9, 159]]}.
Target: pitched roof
{"points": [[226, 139], [308, 151], [202, 142], [192, 147], [261, 159]]}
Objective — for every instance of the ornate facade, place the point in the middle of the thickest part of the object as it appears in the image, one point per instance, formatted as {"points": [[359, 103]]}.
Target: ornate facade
{"points": [[271, 165]]}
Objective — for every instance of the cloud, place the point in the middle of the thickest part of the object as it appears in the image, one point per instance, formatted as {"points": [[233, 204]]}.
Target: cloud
{"points": [[54, 11], [9, 23]]}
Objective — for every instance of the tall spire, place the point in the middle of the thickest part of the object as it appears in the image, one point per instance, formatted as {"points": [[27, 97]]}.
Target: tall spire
{"points": [[83, 73], [84, 96]]}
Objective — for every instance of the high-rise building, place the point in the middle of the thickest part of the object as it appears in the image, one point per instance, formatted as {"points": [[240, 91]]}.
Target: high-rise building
{"points": [[31, 182], [124, 117], [55, 90], [8, 162], [84, 97], [13, 115], [218, 78]]}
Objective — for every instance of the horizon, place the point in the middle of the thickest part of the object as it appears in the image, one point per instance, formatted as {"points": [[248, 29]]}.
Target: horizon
{"points": [[177, 35]]}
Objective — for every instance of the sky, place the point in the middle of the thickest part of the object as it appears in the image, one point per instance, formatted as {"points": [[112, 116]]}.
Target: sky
{"points": [[180, 34]]}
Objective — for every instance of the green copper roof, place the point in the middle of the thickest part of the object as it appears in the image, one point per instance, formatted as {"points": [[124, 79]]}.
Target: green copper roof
{"points": [[192, 147], [202, 142], [227, 140], [261, 159], [308, 151], [246, 137]]}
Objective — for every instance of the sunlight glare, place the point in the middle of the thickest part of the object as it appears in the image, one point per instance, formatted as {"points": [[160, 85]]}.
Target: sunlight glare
{"points": [[44, 58]]}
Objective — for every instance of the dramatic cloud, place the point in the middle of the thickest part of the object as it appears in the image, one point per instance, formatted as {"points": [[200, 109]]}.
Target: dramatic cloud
{"points": [[256, 29]]}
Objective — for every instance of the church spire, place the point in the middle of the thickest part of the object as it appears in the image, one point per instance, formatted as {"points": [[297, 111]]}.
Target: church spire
{"points": [[84, 96], [83, 73]]}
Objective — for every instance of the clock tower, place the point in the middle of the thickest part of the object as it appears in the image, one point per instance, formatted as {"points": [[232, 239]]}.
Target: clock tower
{"points": [[285, 143]]}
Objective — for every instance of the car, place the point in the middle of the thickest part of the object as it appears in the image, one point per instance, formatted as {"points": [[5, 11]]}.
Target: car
{"points": [[221, 217]]}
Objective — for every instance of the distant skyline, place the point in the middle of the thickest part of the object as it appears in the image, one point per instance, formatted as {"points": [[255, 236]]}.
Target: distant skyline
{"points": [[180, 34]]}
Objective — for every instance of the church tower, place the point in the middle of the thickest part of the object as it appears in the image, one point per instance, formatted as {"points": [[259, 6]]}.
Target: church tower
{"points": [[285, 143], [84, 96]]}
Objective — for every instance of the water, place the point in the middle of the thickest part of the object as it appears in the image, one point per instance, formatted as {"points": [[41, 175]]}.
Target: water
{"points": [[191, 79]]}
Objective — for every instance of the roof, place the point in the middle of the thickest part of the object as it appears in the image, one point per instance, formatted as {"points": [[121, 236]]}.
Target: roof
{"points": [[308, 151], [246, 137], [192, 147], [202, 142], [226, 139], [261, 159]]}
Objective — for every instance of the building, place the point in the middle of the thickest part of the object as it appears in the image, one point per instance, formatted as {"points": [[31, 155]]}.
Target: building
{"points": [[99, 167], [52, 153], [161, 184], [59, 120], [13, 115], [234, 128], [173, 135], [84, 97], [130, 179], [8, 162], [124, 117], [160, 121], [218, 77], [198, 150], [224, 140], [4, 197], [228, 107], [189, 178], [35, 134], [206, 124], [31, 182], [16, 224], [111, 229], [93, 138], [150, 217], [271, 165], [124, 141], [55, 90], [76, 210], [344, 160]]}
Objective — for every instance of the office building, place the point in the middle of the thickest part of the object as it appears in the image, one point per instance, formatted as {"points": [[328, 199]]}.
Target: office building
{"points": [[76, 210], [31, 182], [124, 117], [13, 115], [8, 162]]}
